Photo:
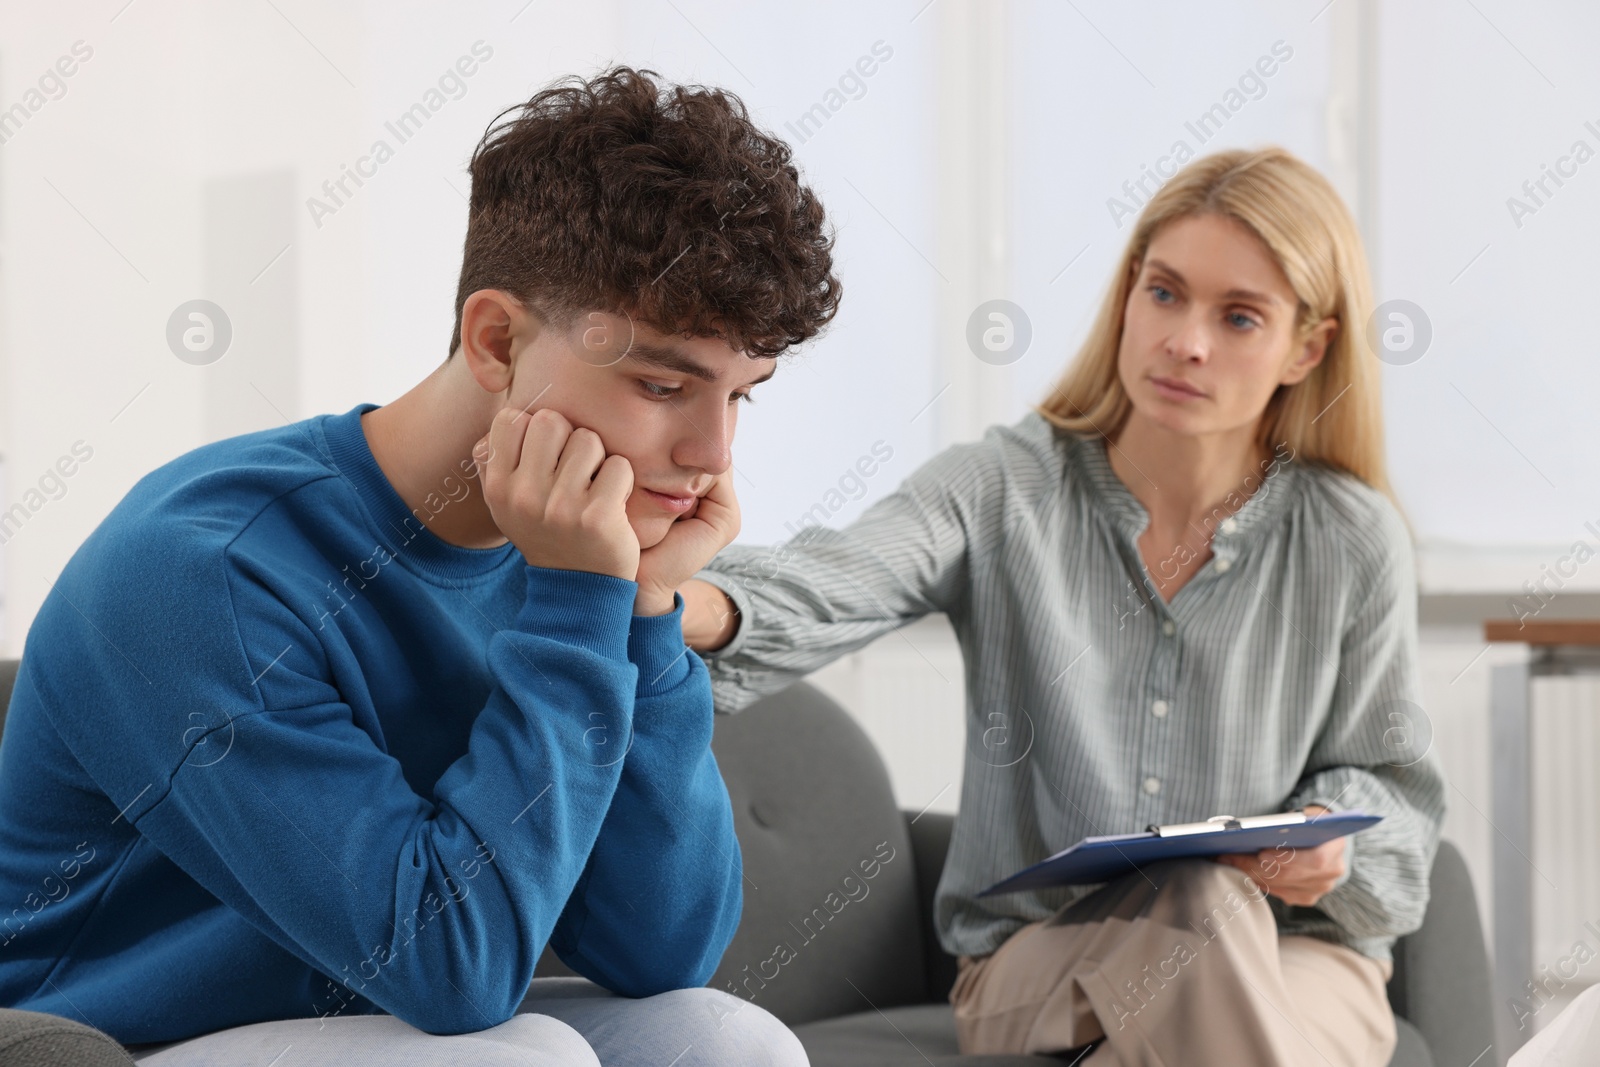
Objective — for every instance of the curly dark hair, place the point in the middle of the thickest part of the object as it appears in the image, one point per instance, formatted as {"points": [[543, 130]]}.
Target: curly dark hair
{"points": [[665, 202]]}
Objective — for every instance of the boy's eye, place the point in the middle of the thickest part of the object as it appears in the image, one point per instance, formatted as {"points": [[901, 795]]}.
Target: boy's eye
{"points": [[667, 392], [660, 392]]}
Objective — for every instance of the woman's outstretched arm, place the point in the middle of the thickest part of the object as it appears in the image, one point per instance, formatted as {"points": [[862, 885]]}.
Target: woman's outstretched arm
{"points": [[765, 616]]}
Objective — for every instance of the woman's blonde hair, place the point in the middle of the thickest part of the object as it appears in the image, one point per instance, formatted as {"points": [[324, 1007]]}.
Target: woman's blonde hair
{"points": [[1334, 416]]}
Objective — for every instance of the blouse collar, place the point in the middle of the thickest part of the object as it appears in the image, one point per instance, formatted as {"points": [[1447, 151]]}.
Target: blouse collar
{"points": [[1255, 505]]}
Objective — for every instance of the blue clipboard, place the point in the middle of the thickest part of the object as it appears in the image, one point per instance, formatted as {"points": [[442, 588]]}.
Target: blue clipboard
{"points": [[1100, 859]]}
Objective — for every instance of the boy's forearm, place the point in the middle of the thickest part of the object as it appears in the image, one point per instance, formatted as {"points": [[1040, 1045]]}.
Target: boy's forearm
{"points": [[650, 868], [710, 618]]}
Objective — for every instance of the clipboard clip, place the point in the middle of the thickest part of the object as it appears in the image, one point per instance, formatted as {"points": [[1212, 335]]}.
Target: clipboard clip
{"points": [[1221, 823]]}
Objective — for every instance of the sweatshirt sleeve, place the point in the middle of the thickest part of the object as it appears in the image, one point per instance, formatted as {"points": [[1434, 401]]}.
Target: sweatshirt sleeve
{"points": [[1374, 753], [434, 908], [667, 860]]}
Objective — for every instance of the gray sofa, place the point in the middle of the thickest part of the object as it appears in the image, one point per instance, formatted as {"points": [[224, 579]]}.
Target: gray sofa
{"points": [[863, 980]]}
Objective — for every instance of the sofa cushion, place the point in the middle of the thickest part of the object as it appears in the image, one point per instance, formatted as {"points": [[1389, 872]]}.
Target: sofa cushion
{"points": [[1441, 972], [897, 1037], [8, 679], [831, 922], [1410, 1050], [926, 1034], [33, 1039]]}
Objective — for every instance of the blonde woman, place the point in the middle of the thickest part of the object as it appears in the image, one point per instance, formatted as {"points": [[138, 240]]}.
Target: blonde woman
{"points": [[1181, 589]]}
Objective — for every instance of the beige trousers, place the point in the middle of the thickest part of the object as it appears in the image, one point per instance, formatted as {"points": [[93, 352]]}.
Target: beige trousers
{"points": [[1178, 964]]}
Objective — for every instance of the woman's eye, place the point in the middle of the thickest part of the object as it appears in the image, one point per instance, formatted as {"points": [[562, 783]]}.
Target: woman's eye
{"points": [[746, 397], [659, 392], [1240, 321], [1161, 293]]}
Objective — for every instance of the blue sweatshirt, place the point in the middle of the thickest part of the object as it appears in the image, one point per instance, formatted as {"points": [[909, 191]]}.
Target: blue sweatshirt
{"points": [[277, 751]]}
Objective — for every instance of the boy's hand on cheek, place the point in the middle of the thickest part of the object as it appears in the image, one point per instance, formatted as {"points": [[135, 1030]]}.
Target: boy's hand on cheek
{"points": [[558, 497], [689, 545]]}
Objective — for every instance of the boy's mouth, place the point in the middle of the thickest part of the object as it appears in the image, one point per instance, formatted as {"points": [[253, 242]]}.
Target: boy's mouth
{"points": [[678, 505]]}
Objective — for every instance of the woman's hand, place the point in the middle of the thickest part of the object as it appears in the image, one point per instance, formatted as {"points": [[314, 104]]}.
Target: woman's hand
{"points": [[710, 617], [1295, 876]]}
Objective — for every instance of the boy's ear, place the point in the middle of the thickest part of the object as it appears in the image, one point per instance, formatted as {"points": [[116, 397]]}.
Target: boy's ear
{"points": [[494, 325]]}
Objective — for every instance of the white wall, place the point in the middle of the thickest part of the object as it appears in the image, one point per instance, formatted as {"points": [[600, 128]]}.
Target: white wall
{"points": [[1491, 431]]}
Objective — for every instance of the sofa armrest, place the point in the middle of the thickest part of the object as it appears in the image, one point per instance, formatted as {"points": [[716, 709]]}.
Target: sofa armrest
{"points": [[33, 1039], [1441, 972], [930, 842]]}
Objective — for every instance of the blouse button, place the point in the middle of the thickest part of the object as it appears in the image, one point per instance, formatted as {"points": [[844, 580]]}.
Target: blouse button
{"points": [[1160, 708], [1222, 566], [1152, 786], [1229, 525], [1169, 628]]}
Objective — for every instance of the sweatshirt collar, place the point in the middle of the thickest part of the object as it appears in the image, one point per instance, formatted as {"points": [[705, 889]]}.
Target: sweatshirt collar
{"points": [[399, 529]]}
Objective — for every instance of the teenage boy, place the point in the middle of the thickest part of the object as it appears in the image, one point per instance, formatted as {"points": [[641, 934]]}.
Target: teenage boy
{"points": [[327, 731]]}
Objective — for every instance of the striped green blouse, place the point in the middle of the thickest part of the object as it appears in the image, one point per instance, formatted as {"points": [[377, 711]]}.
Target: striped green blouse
{"points": [[1283, 674]]}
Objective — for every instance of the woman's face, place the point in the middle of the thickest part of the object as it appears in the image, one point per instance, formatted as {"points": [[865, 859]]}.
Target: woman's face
{"points": [[1208, 332]]}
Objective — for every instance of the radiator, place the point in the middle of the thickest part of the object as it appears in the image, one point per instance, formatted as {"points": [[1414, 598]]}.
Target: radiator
{"points": [[1565, 756]]}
